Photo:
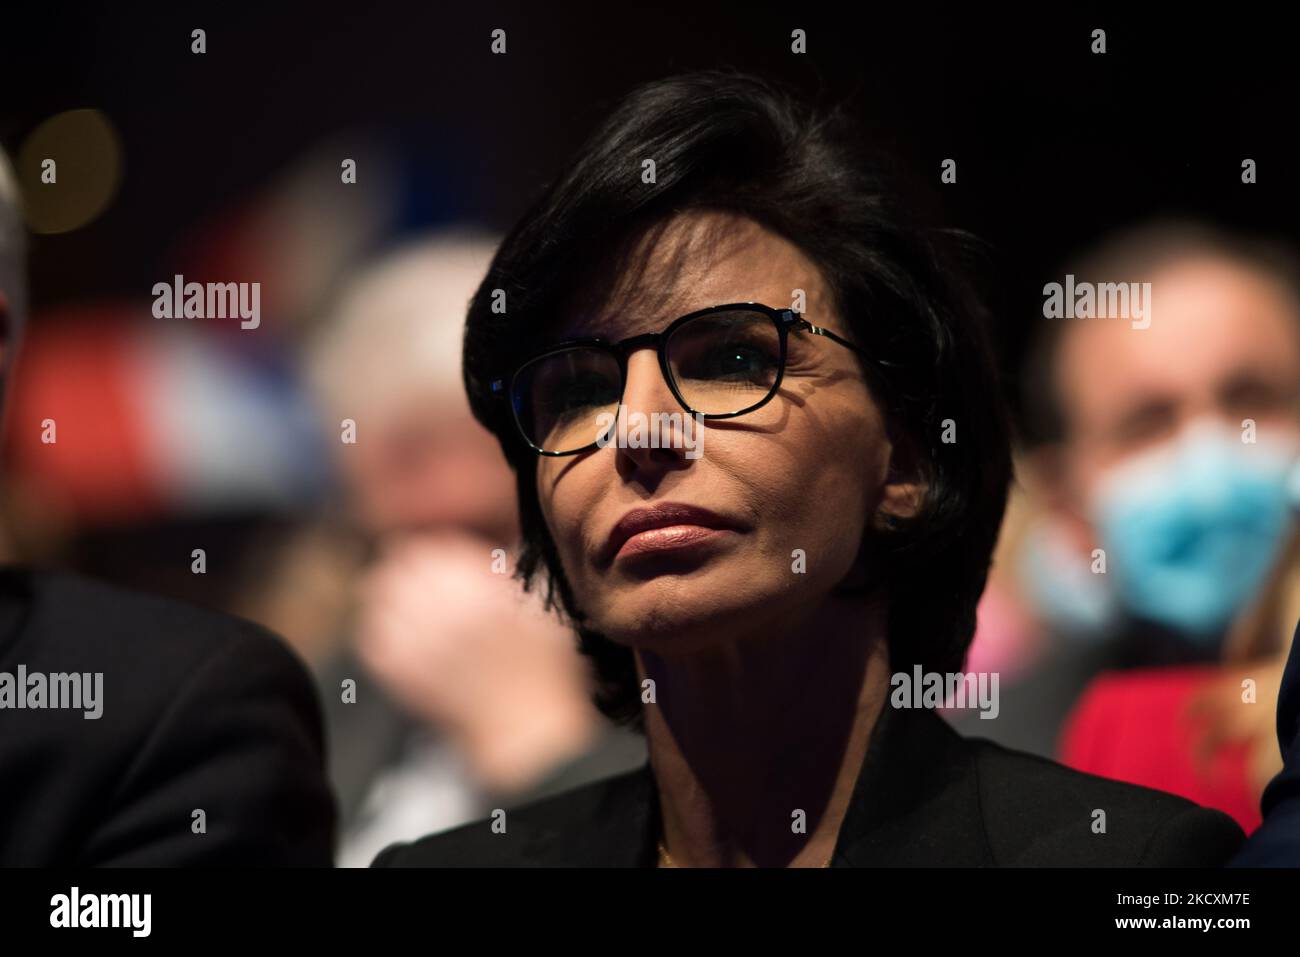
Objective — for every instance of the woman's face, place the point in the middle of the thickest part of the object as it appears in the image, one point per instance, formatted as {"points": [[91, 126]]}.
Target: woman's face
{"points": [[794, 483]]}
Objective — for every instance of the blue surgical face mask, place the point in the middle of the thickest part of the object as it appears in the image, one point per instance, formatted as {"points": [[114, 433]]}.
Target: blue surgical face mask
{"points": [[1191, 529]]}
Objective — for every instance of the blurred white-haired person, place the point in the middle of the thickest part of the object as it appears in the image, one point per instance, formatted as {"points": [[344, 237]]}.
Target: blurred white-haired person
{"points": [[469, 696]]}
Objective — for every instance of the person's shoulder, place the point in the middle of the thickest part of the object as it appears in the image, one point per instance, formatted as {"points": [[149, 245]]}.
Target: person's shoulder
{"points": [[179, 695], [592, 824], [66, 613], [1038, 812]]}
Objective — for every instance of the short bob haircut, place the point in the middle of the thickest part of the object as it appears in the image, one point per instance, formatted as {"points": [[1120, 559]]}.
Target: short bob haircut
{"points": [[733, 142]]}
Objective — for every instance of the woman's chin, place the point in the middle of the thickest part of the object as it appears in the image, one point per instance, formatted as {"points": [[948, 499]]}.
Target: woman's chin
{"points": [[682, 613]]}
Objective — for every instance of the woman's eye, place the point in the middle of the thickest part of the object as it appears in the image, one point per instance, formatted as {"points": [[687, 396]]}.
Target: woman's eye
{"points": [[731, 362], [587, 393]]}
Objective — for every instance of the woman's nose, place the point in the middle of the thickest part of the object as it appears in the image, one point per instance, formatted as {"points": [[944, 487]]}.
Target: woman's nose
{"points": [[648, 402], [645, 390]]}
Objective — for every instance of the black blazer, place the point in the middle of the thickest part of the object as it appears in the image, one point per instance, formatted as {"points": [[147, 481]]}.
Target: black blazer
{"points": [[200, 711], [925, 797]]}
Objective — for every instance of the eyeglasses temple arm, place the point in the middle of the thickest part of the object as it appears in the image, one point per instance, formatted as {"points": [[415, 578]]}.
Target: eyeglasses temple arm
{"points": [[819, 331]]}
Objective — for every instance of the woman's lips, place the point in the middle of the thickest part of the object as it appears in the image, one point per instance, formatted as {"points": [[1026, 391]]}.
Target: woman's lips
{"points": [[669, 538], [664, 527]]}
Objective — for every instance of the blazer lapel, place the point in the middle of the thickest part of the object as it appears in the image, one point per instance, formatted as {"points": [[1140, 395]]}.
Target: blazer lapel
{"points": [[916, 800]]}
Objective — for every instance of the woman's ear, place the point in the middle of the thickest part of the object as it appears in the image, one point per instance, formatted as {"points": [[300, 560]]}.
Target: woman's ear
{"points": [[901, 497], [903, 494]]}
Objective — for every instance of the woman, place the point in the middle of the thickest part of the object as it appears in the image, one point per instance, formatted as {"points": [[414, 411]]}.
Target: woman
{"points": [[748, 590]]}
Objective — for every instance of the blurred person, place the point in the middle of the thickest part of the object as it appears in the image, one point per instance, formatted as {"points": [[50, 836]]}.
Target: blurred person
{"points": [[1164, 447], [139, 730], [745, 606], [469, 696]]}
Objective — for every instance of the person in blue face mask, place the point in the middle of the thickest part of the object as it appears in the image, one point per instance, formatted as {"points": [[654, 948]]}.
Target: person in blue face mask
{"points": [[1164, 455], [1169, 444]]}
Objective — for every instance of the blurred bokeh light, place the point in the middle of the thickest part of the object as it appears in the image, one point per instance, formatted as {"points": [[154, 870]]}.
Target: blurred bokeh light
{"points": [[87, 169]]}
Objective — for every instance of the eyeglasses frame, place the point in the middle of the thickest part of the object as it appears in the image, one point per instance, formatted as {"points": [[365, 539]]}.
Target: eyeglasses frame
{"points": [[785, 320]]}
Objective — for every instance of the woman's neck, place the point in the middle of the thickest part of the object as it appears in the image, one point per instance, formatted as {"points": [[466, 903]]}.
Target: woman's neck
{"points": [[744, 737]]}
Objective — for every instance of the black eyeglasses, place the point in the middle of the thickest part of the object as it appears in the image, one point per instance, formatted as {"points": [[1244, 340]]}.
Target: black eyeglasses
{"points": [[719, 362]]}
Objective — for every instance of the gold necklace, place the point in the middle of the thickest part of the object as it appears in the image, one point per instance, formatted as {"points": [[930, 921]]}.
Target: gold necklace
{"points": [[666, 860]]}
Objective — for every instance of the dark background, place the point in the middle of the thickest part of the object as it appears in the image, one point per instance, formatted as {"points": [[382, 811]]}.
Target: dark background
{"points": [[1054, 144]]}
